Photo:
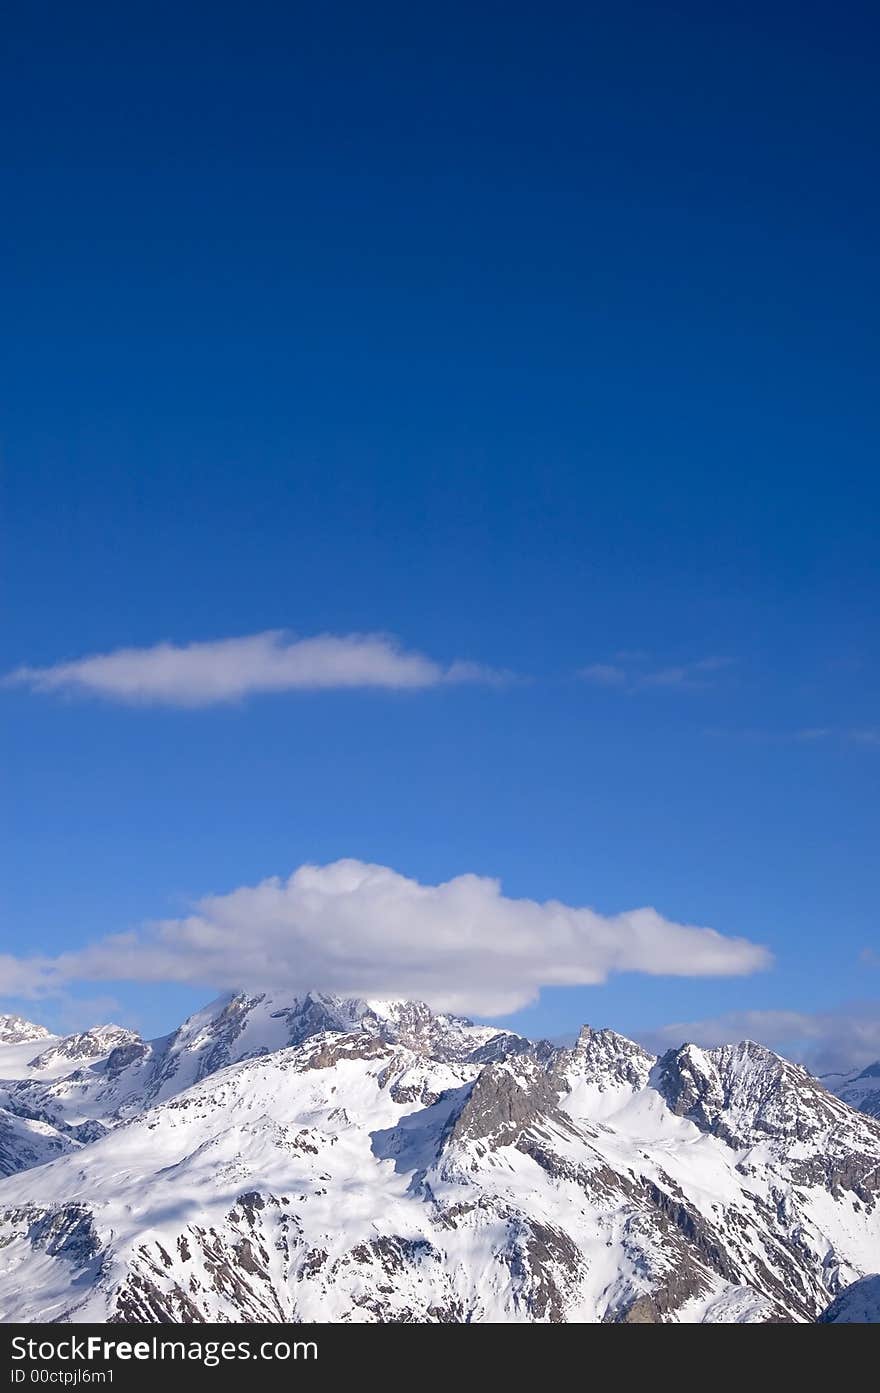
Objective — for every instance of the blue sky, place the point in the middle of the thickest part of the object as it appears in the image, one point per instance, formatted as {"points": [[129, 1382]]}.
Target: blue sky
{"points": [[539, 339]]}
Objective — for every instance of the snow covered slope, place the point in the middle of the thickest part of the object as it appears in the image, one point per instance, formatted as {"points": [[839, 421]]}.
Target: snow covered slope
{"points": [[331, 1159], [20, 1041]]}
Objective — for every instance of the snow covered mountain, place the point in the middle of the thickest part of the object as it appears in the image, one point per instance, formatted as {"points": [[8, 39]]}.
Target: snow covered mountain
{"points": [[861, 1088], [333, 1159], [95, 1043], [124, 1074], [15, 1030]]}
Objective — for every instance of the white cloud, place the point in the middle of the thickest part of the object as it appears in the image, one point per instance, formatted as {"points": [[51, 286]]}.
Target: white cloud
{"points": [[828, 1041], [366, 930], [226, 670], [630, 672]]}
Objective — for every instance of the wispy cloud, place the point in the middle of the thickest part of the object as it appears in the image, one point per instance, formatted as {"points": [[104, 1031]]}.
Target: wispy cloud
{"points": [[227, 670], [604, 675], [858, 735], [865, 737], [828, 1041], [689, 676], [367, 930], [631, 671]]}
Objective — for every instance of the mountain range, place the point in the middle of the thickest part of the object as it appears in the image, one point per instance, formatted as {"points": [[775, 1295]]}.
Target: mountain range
{"points": [[333, 1159]]}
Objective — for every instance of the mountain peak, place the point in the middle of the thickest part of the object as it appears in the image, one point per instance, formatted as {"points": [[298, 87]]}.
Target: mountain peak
{"points": [[744, 1093], [606, 1059], [15, 1030]]}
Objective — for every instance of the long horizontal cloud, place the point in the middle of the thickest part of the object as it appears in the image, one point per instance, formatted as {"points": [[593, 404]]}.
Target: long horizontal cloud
{"points": [[828, 1041], [366, 930], [225, 670], [629, 672]]}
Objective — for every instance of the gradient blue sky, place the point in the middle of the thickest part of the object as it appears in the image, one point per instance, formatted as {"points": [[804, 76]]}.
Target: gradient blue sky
{"points": [[532, 335]]}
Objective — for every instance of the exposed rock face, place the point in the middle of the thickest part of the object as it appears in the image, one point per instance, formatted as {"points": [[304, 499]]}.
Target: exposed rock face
{"points": [[122, 1056], [859, 1304], [745, 1093], [504, 1045], [501, 1104], [394, 1165]]}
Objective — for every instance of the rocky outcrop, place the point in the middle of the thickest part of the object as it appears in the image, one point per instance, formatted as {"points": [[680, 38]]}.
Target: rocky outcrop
{"points": [[506, 1100]]}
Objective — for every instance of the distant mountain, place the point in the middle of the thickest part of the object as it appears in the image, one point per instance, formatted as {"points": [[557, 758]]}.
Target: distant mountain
{"points": [[860, 1088], [92, 1044], [326, 1158], [15, 1030]]}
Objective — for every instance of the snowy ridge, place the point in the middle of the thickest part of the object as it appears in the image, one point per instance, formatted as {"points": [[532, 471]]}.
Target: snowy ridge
{"points": [[337, 1159]]}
